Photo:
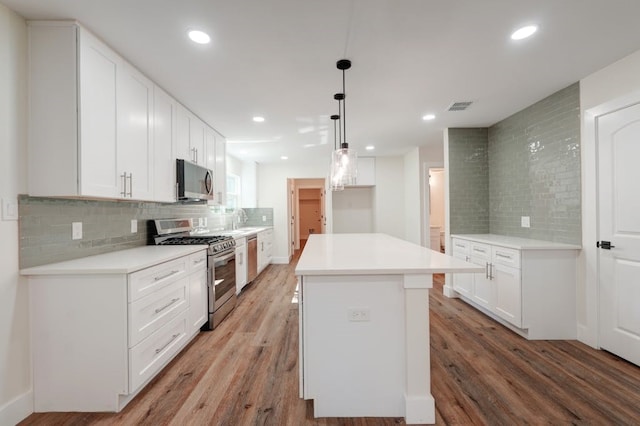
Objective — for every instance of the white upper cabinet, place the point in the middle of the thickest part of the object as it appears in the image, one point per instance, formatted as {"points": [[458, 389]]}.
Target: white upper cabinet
{"points": [[196, 141], [134, 138], [216, 147], [99, 128], [220, 171], [366, 171], [164, 146], [191, 142], [94, 140], [184, 132], [98, 117], [72, 114]]}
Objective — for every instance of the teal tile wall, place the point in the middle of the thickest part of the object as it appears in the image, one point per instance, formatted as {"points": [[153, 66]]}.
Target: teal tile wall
{"points": [[468, 181], [534, 170], [527, 165], [45, 226]]}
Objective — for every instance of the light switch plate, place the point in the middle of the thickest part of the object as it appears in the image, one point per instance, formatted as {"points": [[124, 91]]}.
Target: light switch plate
{"points": [[76, 231], [134, 226], [525, 222], [9, 209], [264, 218]]}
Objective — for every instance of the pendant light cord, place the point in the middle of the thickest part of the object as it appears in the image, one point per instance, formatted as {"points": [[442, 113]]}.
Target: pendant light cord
{"points": [[343, 115]]}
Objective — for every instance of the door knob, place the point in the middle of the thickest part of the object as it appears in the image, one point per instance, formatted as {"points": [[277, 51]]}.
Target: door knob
{"points": [[604, 245]]}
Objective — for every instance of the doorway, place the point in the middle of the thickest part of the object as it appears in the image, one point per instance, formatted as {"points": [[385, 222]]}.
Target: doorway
{"points": [[309, 202], [435, 212], [306, 205]]}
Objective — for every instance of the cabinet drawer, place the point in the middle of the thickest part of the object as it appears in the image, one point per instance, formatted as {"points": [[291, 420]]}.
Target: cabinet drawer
{"points": [[197, 261], [505, 256], [151, 312], [480, 251], [460, 246], [150, 355], [142, 283]]}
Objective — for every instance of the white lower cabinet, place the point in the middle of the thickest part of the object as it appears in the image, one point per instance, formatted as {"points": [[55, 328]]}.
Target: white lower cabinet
{"points": [[528, 285], [241, 264], [99, 337], [265, 249]]}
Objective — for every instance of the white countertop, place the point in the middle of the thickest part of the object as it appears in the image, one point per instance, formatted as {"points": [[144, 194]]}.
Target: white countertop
{"points": [[240, 232], [116, 262], [516, 242], [376, 254]]}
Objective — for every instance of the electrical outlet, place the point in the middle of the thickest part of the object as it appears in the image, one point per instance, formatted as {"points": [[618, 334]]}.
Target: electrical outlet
{"points": [[359, 314], [264, 218], [76, 231], [9, 209], [525, 222], [134, 226]]}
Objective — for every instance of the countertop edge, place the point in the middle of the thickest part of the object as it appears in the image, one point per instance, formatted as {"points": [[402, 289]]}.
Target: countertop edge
{"points": [[518, 243], [82, 266]]}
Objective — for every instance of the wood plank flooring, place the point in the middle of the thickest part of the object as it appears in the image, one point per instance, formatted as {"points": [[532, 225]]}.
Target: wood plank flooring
{"points": [[246, 373]]}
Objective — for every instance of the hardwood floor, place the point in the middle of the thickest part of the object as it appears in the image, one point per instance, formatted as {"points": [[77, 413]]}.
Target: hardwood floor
{"points": [[246, 373]]}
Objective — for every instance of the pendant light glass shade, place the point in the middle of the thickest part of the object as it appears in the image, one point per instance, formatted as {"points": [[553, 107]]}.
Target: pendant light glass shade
{"points": [[344, 168], [344, 161]]}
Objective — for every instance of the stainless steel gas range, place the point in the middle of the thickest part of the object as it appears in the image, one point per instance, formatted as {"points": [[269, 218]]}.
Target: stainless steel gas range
{"points": [[221, 263]]}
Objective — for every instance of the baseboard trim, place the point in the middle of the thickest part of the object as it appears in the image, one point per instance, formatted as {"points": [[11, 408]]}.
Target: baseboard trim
{"points": [[280, 260], [587, 337], [17, 409]]}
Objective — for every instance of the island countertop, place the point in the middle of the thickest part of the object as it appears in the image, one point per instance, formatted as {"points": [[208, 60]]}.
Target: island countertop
{"points": [[376, 254]]}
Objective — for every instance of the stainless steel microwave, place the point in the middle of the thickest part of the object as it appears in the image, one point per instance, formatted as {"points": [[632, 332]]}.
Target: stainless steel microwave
{"points": [[194, 182]]}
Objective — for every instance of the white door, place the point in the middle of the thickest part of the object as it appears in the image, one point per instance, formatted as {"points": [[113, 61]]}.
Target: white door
{"points": [[618, 145]]}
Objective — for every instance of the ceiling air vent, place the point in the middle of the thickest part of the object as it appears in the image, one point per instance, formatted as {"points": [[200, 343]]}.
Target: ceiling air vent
{"points": [[459, 106]]}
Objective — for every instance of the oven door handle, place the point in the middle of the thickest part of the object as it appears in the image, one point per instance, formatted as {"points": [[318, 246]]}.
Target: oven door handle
{"points": [[223, 258]]}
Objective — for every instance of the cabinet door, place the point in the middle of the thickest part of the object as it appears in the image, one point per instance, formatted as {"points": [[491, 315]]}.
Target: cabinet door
{"points": [[164, 147], [366, 171], [183, 126], [198, 304], [196, 141], [135, 149], [241, 267], [508, 293], [483, 288], [220, 181], [463, 283], [98, 154], [261, 251]]}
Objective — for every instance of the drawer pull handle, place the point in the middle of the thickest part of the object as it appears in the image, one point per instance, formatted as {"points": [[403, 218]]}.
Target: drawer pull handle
{"points": [[504, 256], [167, 344], [197, 262], [166, 276], [174, 300]]}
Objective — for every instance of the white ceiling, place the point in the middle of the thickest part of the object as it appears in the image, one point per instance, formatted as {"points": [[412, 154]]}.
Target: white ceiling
{"points": [[277, 58]]}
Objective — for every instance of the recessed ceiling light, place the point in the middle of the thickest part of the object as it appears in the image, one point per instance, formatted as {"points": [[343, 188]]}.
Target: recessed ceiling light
{"points": [[284, 157], [524, 32], [258, 119], [428, 117], [369, 147], [199, 37]]}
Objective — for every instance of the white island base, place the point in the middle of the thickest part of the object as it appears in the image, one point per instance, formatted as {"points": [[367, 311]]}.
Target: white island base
{"points": [[364, 325]]}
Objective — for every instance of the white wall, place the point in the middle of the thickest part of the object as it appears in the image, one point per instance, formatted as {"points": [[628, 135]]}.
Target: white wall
{"points": [[15, 352], [272, 192], [353, 211], [247, 172], [615, 84], [413, 201], [389, 196]]}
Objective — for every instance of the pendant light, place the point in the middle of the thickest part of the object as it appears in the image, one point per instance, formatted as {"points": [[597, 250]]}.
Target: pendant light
{"points": [[344, 161], [336, 182]]}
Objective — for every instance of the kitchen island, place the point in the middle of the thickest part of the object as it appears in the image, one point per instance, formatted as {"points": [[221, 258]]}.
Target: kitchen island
{"points": [[364, 325]]}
